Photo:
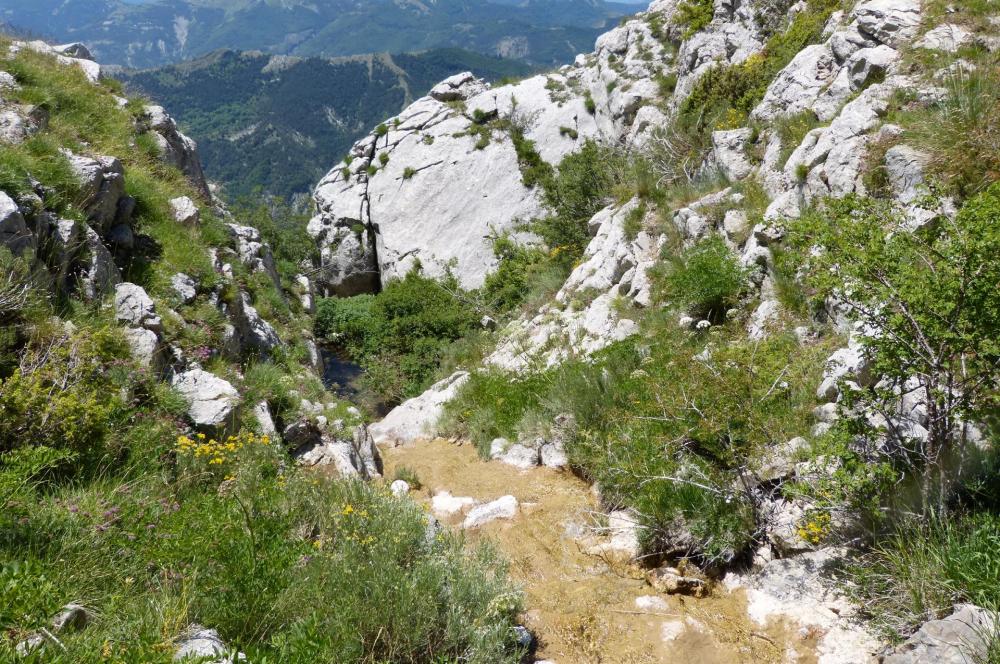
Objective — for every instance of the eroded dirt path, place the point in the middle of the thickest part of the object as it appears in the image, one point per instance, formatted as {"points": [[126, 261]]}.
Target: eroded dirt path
{"points": [[581, 607]]}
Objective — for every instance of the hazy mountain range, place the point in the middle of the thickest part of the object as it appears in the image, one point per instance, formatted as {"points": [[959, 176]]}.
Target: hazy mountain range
{"points": [[277, 123], [149, 33]]}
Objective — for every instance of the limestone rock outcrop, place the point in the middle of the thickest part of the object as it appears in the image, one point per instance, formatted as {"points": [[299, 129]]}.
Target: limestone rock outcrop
{"points": [[435, 183], [415, 419], [212, 401]]}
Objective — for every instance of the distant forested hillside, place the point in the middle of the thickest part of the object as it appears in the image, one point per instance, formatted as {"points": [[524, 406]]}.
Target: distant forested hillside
{"points": [[157, 32], [275, 124]]}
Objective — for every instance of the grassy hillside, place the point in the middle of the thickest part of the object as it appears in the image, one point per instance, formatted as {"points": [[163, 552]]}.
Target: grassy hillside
{"points": [[278, 129], [111, 499]]}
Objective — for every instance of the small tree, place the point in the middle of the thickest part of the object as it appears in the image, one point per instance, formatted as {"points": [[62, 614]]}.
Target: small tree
{"points": [[930, 299]]}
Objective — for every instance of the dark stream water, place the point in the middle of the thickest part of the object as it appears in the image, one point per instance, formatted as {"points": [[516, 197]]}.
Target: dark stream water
{"points": [[340, 375]]}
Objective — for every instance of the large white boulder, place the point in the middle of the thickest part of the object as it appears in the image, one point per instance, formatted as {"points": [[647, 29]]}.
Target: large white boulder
{"points": [[963, 637], [134, 307], [415, 418], [211, 400], [504, 507], [185, 211]]}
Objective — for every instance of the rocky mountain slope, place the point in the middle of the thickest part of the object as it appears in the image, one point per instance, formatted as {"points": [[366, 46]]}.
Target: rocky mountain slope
{"points": [[152, 353], [273, 124], [165, 32], [711, 316], [724, 139]]}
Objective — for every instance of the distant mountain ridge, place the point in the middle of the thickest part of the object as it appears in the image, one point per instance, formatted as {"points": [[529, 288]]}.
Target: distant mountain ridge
{"points": [[158, 32], [275, 123]]}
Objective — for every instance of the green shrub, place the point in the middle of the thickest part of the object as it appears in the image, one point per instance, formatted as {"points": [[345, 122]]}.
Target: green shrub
{"points": [[732, 91], [524, 275], [409, 172], [534, 170], [287, 567], [801, 172], [923, 293], [400, 335], [582, 185], [350, 321], [62, 396], [666, 83], [694, 16], [705, 280], [640, 438], [589, 104], [570, 132], [383, 158]]}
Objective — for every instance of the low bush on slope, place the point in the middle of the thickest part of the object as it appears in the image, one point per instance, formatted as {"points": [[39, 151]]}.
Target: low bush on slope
{"points": [[401, 334], [109, 500], [662, 428], [287, 567]]}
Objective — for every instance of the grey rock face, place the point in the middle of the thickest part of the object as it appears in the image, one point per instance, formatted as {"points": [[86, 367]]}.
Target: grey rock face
{"points": [[614, 266], [99, 273], [184, 287], [357, 457], [960, 638], [14, 233], [262, 413], [254, 332], [905, 169], [349, 265], [504, 507], [211, 400], [134, 307], [730, 152], [176, 149], [102, 184], [947, 37], [459, 87], [892, 22], [415, 418], [145, 347], [436, 182], [253, 251]]}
